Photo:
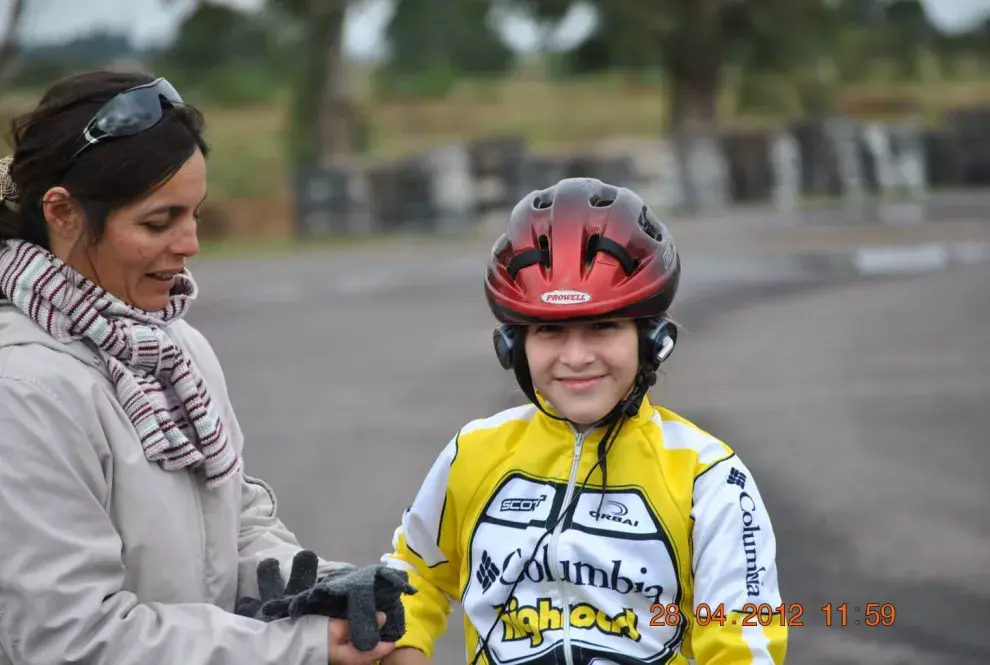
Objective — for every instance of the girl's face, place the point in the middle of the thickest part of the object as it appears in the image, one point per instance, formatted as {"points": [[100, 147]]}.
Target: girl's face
{"points": [[583, 369]]}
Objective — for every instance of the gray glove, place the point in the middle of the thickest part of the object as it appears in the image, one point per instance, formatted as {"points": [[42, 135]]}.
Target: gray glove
{"points": [[354, 594], [275, 594]]}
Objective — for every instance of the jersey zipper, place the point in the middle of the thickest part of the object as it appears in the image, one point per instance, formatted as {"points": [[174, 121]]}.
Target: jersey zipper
{"points": [[565, 605]]}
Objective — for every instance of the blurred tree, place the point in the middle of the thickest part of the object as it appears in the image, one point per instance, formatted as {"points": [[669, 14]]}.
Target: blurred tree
{"points": [[324, 121], [611, 46], [433, 42], [696, 42], [908, 36], [323, 124], [9, 39], [225, 55], [215, 35], [973, 44]]}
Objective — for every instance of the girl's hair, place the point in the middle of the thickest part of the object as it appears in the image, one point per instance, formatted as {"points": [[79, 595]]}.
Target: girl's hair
{"points": [[104, 177]]}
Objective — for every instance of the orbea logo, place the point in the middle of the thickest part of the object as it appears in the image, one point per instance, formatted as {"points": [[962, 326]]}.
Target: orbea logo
{"points": [[565, 297]]}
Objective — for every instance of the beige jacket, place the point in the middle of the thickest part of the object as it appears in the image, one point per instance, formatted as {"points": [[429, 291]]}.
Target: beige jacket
{"points": [[106, 559]]}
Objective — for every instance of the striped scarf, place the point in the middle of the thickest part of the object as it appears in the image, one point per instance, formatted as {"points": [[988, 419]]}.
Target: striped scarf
{"points": [[157, 385]]}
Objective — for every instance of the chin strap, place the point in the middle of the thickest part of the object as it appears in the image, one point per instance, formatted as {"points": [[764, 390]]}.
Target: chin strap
{"points": [[646, 377], [520, 366]]}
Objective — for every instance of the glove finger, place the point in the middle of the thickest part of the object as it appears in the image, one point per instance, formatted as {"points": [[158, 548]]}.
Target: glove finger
{"points": [[276, 609], [247, 607], [389, 594], [321, 592], [303, 574], [311, 601], [298, 606], [270, 583], [363, 620], [386, 596], [395, 624], [331, 606]]}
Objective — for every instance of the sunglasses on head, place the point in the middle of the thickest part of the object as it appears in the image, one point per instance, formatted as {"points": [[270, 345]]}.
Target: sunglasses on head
{"points": [[131, 112]]}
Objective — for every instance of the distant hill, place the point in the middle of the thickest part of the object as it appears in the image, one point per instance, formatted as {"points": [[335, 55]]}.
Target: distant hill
{"points": [[94, 47]]}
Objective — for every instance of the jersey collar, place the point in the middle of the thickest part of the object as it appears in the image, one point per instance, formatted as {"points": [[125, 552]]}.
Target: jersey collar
{"points": [[643, 415]]}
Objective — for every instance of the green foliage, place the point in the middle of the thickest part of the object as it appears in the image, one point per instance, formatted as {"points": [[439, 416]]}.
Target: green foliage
{"points": [[855, 49], [542, 11], [764, 36], [435, 42], [615, 44], [225, 56], [905, 36], [696, 43], [777, 56], [434, 82]]}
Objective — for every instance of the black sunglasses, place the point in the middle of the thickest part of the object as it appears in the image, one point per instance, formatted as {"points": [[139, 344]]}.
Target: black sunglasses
{"points": [[131, 112]]}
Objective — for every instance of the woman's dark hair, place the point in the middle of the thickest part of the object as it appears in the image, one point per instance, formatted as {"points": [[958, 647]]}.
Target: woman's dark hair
{"points": [[104, 177]]}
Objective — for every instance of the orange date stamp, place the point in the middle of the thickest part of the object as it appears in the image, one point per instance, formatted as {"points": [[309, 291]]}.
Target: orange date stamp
{"points": [[785, 614]]}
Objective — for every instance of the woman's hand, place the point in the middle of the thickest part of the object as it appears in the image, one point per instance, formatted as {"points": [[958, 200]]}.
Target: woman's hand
{"points": [[342, 652]]}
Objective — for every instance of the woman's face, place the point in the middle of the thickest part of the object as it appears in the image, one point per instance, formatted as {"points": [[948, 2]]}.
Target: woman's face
{"points": [[146, 243], [583, 369]]}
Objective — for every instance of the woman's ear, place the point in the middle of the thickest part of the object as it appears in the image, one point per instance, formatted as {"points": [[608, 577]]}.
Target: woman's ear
{"points": [[64, 216]]}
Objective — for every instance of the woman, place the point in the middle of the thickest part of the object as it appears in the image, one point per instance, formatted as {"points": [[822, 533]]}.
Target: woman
{"points": [[590, 526], [128, 529]]}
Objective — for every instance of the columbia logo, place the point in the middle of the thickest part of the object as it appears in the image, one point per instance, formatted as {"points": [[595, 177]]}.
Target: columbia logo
{"points": [[487, 571], [736, 477]]}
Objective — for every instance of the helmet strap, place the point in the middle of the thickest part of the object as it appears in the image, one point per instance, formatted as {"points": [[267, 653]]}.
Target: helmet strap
{"points": [[520, 366], [656, 342]]}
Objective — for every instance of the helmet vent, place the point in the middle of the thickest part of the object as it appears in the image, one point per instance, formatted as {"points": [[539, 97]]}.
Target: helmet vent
{"points": [[536, 255], [542, 201], [598, 243], [591, 250], [650, 224], [604, 196]]}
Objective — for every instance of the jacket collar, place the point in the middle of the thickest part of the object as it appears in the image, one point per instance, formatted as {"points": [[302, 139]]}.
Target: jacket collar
{"points": [[16, 329], [644, 415]]}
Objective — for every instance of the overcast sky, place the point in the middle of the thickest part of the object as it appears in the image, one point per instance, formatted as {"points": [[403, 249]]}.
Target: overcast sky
{"points": [[152, 21]]}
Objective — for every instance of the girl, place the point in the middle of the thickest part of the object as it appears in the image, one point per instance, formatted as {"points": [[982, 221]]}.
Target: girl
{"points": [[590, 526]]}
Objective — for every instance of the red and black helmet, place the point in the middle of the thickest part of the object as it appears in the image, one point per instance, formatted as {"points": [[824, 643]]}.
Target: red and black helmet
{"points": [[582, 250]]}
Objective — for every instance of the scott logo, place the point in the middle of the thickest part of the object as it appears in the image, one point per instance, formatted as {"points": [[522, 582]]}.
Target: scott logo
{"points": [[522, 505], [565, 297]]}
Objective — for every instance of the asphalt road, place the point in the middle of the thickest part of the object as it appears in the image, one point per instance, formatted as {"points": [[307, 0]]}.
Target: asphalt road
{"points": [[861, 410], [859, 405]]}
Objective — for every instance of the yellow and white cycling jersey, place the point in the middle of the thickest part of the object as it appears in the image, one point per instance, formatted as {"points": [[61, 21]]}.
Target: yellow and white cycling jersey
{"points": [[674, 564]]}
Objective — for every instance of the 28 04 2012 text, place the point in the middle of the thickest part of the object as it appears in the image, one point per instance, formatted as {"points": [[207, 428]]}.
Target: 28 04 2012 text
{"points": [[785, 614]]}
